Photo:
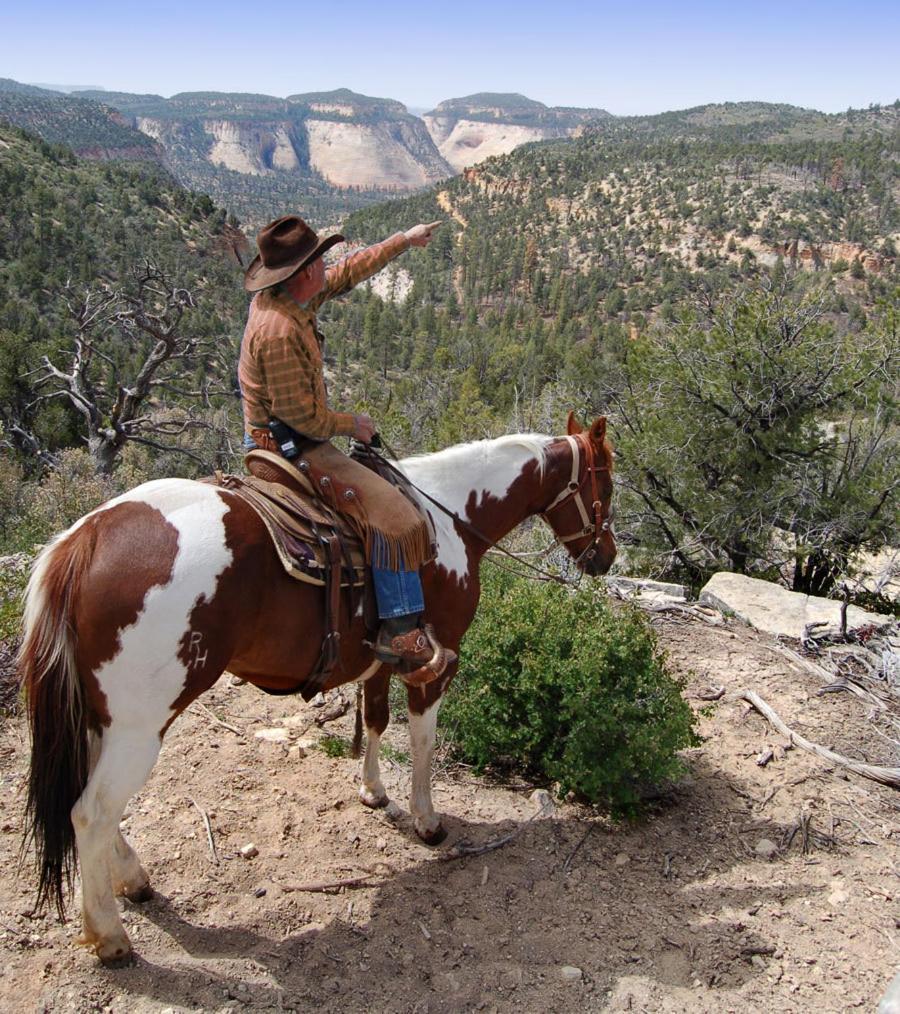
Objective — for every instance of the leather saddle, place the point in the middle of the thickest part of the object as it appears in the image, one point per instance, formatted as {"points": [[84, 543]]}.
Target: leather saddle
{"points": [[308, 535], [313, 543]]}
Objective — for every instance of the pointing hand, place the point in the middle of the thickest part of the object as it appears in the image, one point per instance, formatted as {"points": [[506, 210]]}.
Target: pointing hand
{"points": [[420, 235]]}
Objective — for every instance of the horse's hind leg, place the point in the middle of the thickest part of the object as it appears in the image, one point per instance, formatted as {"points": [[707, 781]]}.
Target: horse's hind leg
{"points": [[129, 879], [127, 756]]}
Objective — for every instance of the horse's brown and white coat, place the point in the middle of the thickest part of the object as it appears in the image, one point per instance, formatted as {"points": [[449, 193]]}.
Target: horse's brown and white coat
{"points": [[140, 606]]}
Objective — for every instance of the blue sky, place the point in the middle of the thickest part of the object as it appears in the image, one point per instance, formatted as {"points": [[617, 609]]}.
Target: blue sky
{"points": [[625, 57]]}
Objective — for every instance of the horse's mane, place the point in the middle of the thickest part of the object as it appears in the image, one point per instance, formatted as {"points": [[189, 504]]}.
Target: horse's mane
{"points": [[534, 443]]}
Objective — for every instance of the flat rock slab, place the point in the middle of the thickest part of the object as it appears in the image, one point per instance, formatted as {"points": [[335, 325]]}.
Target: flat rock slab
{"points": [[776, 610], [652, 591]]}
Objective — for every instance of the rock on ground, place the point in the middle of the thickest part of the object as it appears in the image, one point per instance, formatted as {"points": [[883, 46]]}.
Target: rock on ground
{"points": [[776, 610]]}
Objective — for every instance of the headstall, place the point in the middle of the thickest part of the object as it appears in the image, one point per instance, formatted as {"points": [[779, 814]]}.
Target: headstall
{"points": [[601, 523]]}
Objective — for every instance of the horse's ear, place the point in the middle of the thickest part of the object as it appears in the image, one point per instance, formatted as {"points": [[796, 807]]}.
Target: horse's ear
{"points": [[598, 429], [573, 426]]}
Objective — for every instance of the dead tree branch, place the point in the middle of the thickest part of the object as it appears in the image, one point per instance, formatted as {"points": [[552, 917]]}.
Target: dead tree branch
{"points": [[129, 347], [887, 776]]}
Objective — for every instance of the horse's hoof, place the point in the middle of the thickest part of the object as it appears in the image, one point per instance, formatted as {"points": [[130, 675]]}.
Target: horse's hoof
{"points": [[119, 958], [434, 837], [115, 953], [142, 894], [373, 801]]}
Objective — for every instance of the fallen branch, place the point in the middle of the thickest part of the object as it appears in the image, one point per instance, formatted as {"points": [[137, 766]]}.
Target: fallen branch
{"points": [[212, 716], [807, 665], [209, 830], [464, 849], [710, 694], [331, 885], [577, 848], [337, 708], [887, 776]]}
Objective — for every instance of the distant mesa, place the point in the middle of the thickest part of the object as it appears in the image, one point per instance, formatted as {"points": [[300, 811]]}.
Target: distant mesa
{"points": [[346, 139], [325, 154], [468, 130], [323, 143]]}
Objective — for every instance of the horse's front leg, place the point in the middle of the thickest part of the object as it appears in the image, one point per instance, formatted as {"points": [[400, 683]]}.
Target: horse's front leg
{"points": [[423, 712], [376, 713]]}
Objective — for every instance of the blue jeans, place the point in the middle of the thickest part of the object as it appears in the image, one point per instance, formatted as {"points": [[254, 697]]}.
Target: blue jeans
{"points": [[399, 592]]}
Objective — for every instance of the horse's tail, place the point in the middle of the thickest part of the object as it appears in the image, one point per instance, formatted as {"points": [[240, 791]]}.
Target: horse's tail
{"points": [[57, 717]]}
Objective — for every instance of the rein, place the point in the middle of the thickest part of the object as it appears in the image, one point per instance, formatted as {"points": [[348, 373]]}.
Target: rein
{"points": [[602, 524]]}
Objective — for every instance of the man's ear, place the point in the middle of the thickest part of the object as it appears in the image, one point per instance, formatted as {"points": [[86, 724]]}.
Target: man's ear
{"points": [[598, 429], [573, 426]]}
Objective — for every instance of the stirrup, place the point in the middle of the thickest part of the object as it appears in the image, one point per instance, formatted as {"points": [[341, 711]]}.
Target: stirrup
{"points": [[434, 668]]}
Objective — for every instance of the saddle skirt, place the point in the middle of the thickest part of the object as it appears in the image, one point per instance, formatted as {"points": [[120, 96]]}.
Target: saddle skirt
{"points": [[311, 539]]}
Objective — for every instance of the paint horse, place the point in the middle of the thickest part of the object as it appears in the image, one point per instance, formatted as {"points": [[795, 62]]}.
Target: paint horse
{"points": [[140, 606]]}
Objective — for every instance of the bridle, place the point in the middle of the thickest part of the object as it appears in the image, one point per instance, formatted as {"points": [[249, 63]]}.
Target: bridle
{"points": [[602, 522]]}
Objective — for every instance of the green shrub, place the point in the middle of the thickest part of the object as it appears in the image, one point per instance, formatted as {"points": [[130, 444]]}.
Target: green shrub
{"points": [[12, 588], [334, 746], [35, 511], [566, 688]]}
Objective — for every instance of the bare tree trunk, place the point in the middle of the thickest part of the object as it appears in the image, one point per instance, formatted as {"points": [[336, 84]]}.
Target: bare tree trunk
{"points": [[104, 453], [119, 403]]}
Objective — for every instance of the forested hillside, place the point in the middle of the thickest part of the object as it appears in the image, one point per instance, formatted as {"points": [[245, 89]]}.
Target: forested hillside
{"points": [[759, 278], [751, 121], [76, 238], [553, 257], [90, 129]]}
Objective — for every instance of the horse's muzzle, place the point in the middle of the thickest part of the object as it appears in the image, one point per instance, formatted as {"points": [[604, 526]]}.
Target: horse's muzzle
{"points": [[599, 556]]}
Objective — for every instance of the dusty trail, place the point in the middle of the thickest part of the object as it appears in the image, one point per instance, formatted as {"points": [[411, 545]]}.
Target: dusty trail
{"points": [[679, 913]]}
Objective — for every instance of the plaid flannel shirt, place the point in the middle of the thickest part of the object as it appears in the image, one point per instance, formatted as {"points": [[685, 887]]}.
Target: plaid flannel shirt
{"points": [[280, 370]]}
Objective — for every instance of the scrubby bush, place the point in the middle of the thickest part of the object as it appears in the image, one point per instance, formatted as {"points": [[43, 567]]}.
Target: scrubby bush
{"points": [[34, 511], [569, 689]]}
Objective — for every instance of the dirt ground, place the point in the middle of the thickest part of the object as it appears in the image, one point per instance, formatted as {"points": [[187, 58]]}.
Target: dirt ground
{"points": [[681, 912]]}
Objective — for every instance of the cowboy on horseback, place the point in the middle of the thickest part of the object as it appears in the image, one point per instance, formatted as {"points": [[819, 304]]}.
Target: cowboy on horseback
{"points": [[285, 404]]}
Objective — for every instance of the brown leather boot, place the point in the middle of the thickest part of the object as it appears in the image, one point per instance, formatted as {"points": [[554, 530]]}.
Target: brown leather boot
{"points": [[419, 655]]}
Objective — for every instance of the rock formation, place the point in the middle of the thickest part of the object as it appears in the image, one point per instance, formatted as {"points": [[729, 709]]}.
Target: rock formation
{"points": [[348, 140], [468, 130]]}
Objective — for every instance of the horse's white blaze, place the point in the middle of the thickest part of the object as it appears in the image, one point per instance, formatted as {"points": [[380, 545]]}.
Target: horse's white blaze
{"points": [[422, 730], [146, 676], [488, 468]]}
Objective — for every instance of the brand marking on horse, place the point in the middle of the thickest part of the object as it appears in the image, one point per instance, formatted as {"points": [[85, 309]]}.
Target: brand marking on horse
{"points": [[198, 655]]}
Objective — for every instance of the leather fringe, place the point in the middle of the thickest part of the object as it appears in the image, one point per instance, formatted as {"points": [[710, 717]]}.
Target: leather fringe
{"points": [[409, 551]]}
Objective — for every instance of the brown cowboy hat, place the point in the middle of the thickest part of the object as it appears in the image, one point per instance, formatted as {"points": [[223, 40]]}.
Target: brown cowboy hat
{"points": [[285, 247]]}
